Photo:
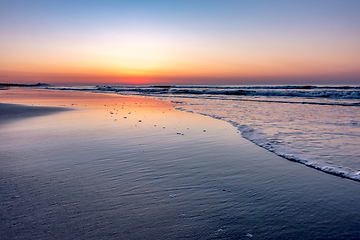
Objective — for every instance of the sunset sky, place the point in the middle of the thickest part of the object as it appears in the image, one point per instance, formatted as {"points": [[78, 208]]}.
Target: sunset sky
{"points": [[180, 42]]}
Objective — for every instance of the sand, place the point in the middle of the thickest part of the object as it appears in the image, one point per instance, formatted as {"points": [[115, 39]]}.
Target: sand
{"points": [[134, 168], [11, 112]]}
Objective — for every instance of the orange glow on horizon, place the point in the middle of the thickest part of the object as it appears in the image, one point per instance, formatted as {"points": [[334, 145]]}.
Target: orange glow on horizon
{"points": [[216, 78], [132, 43]]}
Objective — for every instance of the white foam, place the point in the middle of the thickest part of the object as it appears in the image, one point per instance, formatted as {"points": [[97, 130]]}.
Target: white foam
{"points": [[262, 140]]}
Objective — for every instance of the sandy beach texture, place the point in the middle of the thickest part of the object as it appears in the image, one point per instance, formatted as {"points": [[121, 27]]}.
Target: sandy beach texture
{"points": [[10, 112], [119, 167]]}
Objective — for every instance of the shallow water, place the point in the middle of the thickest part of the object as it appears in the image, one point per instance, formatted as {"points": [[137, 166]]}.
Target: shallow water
{"points": [[83, 175], [326, 137], [318, 126]]}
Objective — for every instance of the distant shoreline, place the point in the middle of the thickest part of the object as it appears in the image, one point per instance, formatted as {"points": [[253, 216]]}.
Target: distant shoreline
{"points": [[5, 86]]}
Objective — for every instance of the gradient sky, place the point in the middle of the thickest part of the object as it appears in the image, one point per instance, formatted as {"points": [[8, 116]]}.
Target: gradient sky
{"points": [[180, 42]]}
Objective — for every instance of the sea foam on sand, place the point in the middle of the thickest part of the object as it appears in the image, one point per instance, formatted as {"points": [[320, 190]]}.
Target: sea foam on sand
{"points": [[116, 167]]}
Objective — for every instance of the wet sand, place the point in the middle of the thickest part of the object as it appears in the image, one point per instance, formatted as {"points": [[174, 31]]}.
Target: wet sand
{"points": [[134, 168], [12, 112]]}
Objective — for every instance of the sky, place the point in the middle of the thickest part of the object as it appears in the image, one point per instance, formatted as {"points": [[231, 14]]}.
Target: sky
{"points": [[180, 42]]}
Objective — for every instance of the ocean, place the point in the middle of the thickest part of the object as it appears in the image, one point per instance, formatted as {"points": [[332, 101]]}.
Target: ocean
{"points": [[318, 126]]}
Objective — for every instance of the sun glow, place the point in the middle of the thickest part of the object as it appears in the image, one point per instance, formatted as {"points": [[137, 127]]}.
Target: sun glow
{"points": [[143, 47]]}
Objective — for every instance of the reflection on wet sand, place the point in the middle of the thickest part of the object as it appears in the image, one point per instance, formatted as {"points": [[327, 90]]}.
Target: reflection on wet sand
{"points": [[133, 168]]}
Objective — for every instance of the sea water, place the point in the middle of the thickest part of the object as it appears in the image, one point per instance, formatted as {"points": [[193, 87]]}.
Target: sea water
{"points": [[318, 126]]}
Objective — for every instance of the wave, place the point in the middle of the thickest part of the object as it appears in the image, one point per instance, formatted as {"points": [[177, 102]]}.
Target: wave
{"points": [[320, 95], [261, 140], [344, 92], [334, 92], [309, 92]]}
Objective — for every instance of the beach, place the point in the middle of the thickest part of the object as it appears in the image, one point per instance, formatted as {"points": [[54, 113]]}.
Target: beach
{"points": [[77, 165]]}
